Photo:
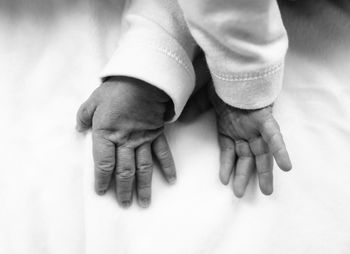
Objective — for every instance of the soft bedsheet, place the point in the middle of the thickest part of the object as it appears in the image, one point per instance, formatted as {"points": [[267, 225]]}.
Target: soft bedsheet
{"points": [[51, 53]]}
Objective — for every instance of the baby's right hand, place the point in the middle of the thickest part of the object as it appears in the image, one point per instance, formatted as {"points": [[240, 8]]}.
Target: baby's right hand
{"points": [[127, 118]]}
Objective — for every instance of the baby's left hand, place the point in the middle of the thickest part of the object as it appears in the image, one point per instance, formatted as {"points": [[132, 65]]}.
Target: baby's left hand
{"points": [[254, 137], [248, 139]]}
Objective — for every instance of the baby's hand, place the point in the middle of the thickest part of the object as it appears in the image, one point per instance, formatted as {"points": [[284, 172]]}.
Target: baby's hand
{"points": [[127, 118], [253, 136]]}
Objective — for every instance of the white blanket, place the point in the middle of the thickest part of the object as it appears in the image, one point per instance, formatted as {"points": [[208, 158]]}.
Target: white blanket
{"points": [[50, 55]]}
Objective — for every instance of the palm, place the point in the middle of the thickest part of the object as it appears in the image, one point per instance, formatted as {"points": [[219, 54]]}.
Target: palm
{"points": [[254, 138], [242, 124], [248, 139]]}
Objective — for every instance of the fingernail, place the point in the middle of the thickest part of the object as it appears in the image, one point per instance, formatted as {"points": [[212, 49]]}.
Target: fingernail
{"points": [[239, 193], [268, 190], [81, 129], [144, 202], [224, 179], [126, 204], [101, 192], [78, 128], [172, 180]]}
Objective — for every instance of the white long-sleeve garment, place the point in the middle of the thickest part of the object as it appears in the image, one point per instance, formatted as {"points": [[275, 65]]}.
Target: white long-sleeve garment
{"points": [[244, 42]]}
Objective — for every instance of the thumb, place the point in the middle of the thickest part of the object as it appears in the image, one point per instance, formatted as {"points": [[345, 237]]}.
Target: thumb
{"points": [[84, 116]]}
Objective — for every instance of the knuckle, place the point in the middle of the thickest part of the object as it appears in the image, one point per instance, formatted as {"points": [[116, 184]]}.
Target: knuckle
{"points": [[227, 148], [270, 121], [124, 193], [242, 149], [126, 172], [144, 186], [241, 178], [242, 175], [226, 144], [145, 167], [163, 154], [258, 146], [274, 136], [265, 173], [105, 169], [276, 142], [270, 125]]}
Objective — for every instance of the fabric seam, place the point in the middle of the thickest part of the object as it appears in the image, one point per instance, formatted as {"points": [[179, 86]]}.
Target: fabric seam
{"points": [[249, 75]]}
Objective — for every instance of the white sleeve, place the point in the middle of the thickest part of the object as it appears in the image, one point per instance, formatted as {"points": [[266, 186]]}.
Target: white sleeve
{"points": [[156, 47], [245, 43]]}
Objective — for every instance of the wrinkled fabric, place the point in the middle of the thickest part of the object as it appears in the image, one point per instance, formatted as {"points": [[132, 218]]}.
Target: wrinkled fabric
{"points": [[244, 42], [155, 33], [51, 55]]}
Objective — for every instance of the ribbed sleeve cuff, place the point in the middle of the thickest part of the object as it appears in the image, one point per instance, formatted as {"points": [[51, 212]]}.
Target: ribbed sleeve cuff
{"points": [[158, 59], [250, 90]]}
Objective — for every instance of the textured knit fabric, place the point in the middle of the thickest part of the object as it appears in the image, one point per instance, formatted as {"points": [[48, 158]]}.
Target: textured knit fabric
{"points": [[244, 41], [156, 47]]}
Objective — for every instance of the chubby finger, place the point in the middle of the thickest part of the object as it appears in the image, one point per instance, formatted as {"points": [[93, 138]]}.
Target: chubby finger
{"points": [[264, 164], [144, 169], [125, 175], [270, 132], [163, 154], [244, 168], [84, 115], [227, 158], [104, 162]]}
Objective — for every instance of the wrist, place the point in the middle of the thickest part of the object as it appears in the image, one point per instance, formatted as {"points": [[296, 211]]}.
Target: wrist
{"points": [[144, 91]]}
